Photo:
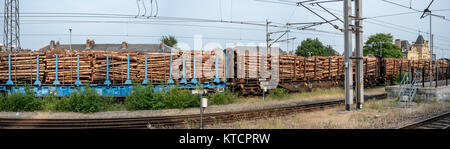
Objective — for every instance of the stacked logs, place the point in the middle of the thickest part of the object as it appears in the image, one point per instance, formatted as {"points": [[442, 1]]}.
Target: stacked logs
{"points": [[247, 67], [23, 67], [157, 66], [250, 64], [205, 65], [67, 66], [117, 67], [394, 67], [310, 69]]}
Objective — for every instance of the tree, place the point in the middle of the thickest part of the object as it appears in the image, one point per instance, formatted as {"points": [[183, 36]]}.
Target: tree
{"points": [[315, 47], [169, 40], [383, 42]]}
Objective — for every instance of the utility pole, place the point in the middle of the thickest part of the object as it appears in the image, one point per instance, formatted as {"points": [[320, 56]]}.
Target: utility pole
{"points": [[70, 40], [348, 53], [11, 29], [359, 55], [427, 12], [267, 35], [287, 41], [431, 52]]}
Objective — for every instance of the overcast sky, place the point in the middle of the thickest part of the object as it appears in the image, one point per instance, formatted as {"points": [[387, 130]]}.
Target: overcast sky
{"points": [[37, 31]]}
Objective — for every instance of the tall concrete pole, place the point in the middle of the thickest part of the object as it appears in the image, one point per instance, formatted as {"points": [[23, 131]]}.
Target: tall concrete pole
{"points": [[70, 40], [431, 54], [359, 55], [348, 53]]}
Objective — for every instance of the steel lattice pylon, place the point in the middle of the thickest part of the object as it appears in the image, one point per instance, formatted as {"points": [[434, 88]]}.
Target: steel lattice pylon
{"points": [[11, 32]]}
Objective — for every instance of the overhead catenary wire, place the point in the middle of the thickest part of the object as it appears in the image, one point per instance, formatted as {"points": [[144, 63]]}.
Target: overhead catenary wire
{"points": [[184, 19]]}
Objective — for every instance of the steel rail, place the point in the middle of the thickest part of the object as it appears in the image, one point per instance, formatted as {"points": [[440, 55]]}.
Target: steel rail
{"points": [[441, 121]]}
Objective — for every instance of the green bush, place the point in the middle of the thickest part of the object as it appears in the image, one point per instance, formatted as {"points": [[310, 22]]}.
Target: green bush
{"points": [[18, 102], [222, 98], [398, 78], [179, 98], [278, 93], [143, 98], [86, 102], [49, 103]]}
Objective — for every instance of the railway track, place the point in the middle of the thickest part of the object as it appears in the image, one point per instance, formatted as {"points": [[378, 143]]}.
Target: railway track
{"points": [[180, 121], [441, 121]]}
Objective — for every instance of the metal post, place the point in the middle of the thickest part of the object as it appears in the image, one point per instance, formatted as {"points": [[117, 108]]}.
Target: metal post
{"points": [[70, 45], [9, 82], [37, 82], [170, 81], [446, 77], [145, 75], [78, 82], [194, 81], [359, 55], [128, 81], [423, 76], [201, 111], [267, 35], [348, 53], [184, 81], [217, 80], [431, 54], [437, 74], [56, 82], [225, 66], [107, 82]]}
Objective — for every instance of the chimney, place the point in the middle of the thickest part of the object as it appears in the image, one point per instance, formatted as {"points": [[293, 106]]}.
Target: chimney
{"points": [[88, 44], [92, 44], [162, 45], [124, 45], [52, 44]]}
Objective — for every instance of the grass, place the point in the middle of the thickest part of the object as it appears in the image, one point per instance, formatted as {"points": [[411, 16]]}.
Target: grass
{"points": [[278, 93], [304, 96], [377, 114], [222, 98]]}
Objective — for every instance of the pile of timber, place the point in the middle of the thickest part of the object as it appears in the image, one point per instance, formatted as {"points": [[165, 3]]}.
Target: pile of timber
{"points": [[393, 67], [291, 67], [312, 68], [205, 65], [370, 66], [157, 66], [117, 66], [248, 67], [67, 66], [253, 65], [23, 67]]}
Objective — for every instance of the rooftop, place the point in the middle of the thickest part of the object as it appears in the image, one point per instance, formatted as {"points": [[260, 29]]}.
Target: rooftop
{"points": [[91, 45]]}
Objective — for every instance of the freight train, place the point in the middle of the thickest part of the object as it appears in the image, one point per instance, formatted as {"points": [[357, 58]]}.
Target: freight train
{"points": [[61, 72]]}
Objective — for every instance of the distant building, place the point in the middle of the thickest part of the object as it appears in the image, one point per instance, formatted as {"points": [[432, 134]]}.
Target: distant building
{"points": [[418, 50], [92, 46]]}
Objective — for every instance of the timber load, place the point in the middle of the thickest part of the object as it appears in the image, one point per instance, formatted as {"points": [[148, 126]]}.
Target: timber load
{"points": [[23, 66], [245, 70], [67, 66]]}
